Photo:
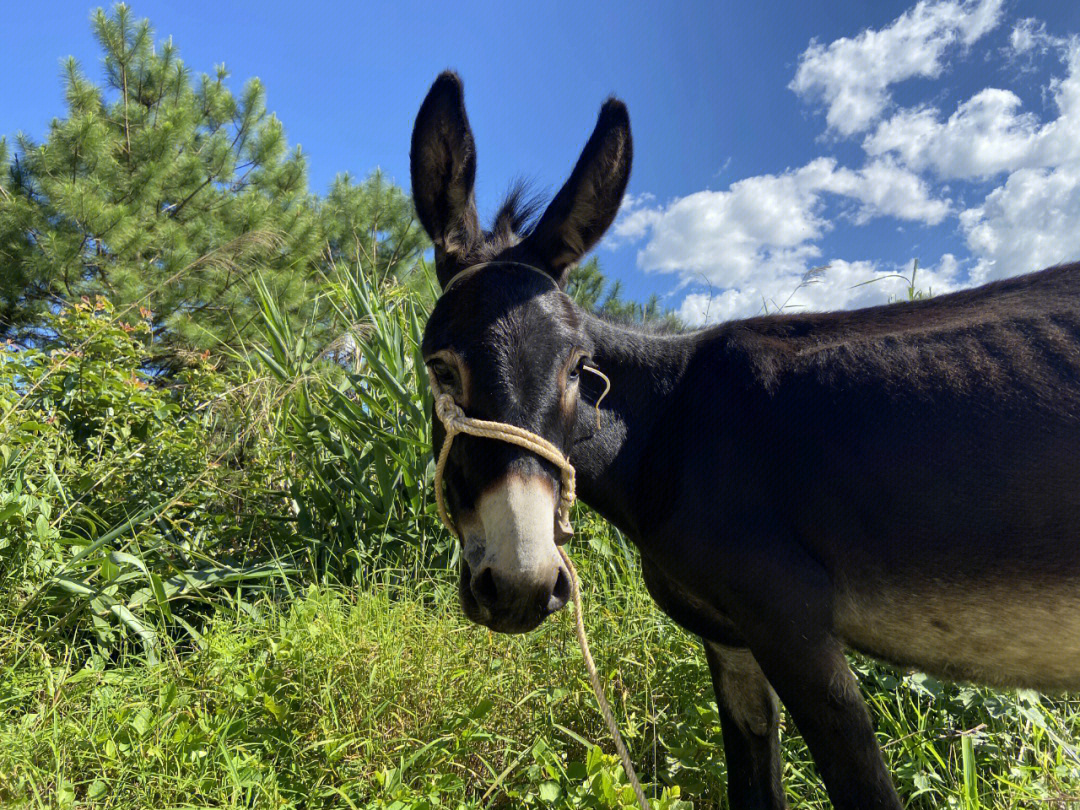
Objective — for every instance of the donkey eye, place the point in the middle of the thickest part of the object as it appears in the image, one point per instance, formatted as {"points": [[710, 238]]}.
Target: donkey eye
{"points": [[575, 371], [443, 373]]}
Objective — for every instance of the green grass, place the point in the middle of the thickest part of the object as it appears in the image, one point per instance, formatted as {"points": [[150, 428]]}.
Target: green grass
{"points": [[385, 697]]}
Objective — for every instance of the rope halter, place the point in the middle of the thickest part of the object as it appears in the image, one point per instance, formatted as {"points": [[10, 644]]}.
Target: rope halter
{"points": [[455, 421]]}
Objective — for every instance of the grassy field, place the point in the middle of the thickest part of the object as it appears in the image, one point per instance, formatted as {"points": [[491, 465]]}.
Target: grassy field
{"points": [[384, 697], [232, 591]]}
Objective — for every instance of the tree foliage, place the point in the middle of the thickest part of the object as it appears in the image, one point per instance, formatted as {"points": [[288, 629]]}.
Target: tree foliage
{"points": [[373, 223], [587, 287], [164, 189], [159, 189]]}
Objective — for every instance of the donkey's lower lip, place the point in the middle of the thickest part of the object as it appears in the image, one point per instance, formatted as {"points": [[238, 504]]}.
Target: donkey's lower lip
{"points": [[473, 610], [509, 625]]}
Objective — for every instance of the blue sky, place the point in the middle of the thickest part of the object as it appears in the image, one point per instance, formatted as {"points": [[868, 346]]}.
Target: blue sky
{"points": [[769, 139]]}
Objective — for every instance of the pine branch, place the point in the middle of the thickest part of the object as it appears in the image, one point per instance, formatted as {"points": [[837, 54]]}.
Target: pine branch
{"points": [[397, 246], [180, 207], [127, 126]]}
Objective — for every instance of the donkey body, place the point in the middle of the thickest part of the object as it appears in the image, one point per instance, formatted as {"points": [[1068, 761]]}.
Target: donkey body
{"points": [[902, 480]]}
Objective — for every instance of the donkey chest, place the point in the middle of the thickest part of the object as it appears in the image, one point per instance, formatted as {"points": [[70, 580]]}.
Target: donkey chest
{"points": [[688, 610]]}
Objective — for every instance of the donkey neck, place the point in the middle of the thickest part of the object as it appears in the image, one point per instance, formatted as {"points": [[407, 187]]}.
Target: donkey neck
{"points": [[644, 369]]}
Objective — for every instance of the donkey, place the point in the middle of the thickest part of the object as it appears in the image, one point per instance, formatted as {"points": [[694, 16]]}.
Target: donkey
{"points": [[902, 480]]}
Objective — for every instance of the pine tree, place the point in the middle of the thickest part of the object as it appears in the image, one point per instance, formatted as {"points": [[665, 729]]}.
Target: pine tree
{"points": [[373, 224], [159, 190], [586, 286]]}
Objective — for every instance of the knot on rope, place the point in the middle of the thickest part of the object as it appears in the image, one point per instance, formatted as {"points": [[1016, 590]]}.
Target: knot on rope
{"points": [[448, 412]]}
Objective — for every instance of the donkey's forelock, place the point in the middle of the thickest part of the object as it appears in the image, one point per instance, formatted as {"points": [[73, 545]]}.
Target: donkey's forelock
{"points": [[518, 212], [514, 222]]}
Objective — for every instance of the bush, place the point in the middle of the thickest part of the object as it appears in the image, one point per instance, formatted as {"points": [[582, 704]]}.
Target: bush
{"points": [[356, 418], [120, 494]]}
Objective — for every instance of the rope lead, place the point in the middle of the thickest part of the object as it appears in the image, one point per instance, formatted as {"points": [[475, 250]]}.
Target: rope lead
{"points": [[455, 421], [594, 681]]}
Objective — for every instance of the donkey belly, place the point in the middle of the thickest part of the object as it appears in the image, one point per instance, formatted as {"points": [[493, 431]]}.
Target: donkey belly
{"points": [[1001, 634]]}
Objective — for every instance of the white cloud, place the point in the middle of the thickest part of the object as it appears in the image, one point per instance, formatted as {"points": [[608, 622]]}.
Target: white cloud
{"points": [[983, 137], [634, 220], [769, 223], [700, 309], [885, 189], [1029, 37], [841, 285], [852, 76], [1031, 222], [724, 236], [988, 134]]}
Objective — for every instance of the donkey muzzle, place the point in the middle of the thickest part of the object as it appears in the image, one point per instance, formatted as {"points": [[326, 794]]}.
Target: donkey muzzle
{"points": [[512, 575]]}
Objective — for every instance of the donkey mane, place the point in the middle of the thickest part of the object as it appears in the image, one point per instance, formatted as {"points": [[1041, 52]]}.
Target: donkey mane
{"points": [[518, 211], [658, 326]]}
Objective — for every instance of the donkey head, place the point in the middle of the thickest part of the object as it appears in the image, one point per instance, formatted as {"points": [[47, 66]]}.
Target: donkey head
{"points": [[509, 345]]}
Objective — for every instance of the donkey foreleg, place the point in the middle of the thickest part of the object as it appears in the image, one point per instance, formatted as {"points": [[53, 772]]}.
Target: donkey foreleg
{"points": [[749, 719], [822, 696], [785, 613]]}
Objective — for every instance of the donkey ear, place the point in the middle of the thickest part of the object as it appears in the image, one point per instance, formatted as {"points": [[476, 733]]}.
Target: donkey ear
{"points": [[585, 207], [443, 166]]}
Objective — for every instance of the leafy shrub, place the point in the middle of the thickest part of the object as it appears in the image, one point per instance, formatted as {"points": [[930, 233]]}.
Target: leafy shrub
{"points": [[119, 491]]}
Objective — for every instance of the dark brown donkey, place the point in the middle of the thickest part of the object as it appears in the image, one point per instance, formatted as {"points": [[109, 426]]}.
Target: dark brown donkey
{"points": [[902, 480]]}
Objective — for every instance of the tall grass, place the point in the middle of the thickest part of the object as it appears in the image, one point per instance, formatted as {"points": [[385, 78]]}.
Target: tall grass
{"points": [[356, 421]]}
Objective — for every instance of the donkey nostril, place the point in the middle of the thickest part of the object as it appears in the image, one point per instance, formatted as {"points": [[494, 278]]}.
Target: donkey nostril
{"points": [[560, 594], [483, 588]]}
